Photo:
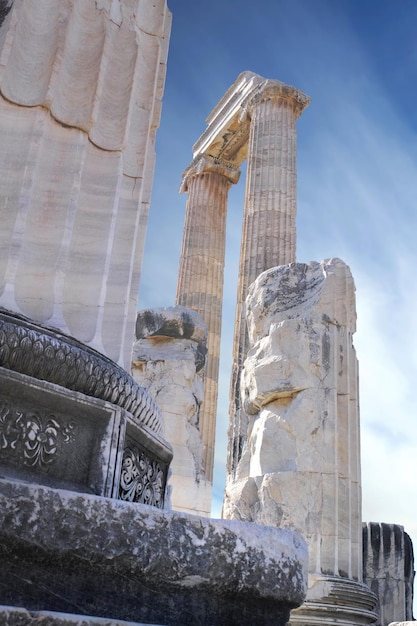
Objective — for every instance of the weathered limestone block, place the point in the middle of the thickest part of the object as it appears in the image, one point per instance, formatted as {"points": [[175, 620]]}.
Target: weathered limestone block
{"points": [[80, 89], [300, 467], [388, 570], [168, 357], [83, 554]]}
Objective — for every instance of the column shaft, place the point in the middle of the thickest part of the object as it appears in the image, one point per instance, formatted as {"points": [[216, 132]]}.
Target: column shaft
{"points": [[268, 233], [200, 281]]}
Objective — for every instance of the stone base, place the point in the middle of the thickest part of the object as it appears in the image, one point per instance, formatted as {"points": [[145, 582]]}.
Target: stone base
{"points": [[91, 556], [66, 439], [333, 600], [12, 616]]}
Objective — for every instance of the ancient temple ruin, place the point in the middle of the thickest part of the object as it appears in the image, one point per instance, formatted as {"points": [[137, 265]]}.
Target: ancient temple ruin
{"points": [[107, 416], [294, 436], [86, 531], [255, 120]]}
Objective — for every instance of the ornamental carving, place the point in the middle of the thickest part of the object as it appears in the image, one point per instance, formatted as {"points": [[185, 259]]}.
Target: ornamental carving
{"points": [[207, 163], [32, 437], [46, 354], [142, 479], [275, 90]]}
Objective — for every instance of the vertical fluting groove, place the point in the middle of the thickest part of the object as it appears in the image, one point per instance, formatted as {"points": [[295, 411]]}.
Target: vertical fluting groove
{"points": [[27, 75], [200, 283]]}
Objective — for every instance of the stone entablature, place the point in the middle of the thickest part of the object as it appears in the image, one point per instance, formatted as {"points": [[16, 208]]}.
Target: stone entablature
{"points": [[227, 134], [228, 124]]}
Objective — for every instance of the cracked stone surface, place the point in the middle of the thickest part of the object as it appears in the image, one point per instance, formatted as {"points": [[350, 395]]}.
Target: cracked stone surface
{"points": [[168, 356], [300, 467], [83, 554]]}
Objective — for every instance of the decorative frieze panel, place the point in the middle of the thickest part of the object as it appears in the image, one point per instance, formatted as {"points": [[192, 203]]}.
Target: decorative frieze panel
{"points": [[34, 438], [55, 431], [53, 436], [142, 478]]}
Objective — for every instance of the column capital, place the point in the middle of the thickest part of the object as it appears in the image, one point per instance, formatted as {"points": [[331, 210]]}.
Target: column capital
{"points": [[275, 90], [203, 163]]}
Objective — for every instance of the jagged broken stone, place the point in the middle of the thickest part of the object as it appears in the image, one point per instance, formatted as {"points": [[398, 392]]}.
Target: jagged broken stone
{"points": [[168, 356], [300, 466]]}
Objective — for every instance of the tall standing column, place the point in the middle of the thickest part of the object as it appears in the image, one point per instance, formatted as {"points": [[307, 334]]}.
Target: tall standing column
{"points": [[200, 283], [268, 233]]}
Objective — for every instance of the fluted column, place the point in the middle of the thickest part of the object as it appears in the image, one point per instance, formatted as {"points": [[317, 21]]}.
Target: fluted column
{"points": [[200, 282], [81, 84], [268, 233]]}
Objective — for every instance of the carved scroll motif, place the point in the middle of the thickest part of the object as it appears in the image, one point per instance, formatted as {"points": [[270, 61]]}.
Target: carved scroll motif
{"points": [[32, 437], [142, 479]]}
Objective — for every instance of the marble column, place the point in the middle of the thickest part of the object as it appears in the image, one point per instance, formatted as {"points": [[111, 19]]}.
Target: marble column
{"points": [[200, 283], [81, 84], [268, 233], [300, 468], [388, 569]]}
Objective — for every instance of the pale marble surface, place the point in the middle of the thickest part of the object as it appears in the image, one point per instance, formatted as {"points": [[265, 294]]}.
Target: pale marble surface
{"points": [[268, 231], [200, 279], [300, 466], [168, 356], [80, 97]]}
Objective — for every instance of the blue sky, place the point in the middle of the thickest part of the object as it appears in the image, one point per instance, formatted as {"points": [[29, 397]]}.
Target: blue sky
{"points": [[357, 191]]}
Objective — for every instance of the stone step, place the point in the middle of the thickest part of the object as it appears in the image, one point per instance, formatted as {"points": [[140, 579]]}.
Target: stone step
{"points": [[14, 616]]}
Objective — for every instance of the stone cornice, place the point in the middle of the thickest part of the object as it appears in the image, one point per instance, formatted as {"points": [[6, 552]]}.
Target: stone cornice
{"points": [[207, 163], [275, 90], [227, 132], [223, 121]]}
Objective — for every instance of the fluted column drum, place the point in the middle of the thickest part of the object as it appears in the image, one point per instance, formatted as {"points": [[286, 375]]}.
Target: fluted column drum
{"points": [[200, 282], [268, 233]]}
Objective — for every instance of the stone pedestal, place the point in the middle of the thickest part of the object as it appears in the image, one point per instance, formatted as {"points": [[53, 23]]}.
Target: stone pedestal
{"points": [[200, 279], [334, 600], [71, 418], [77, 553]]}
